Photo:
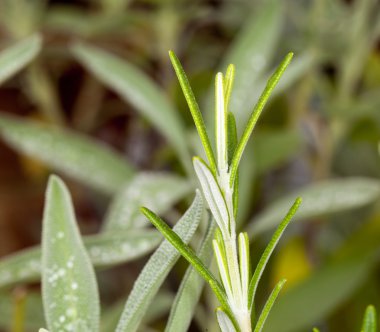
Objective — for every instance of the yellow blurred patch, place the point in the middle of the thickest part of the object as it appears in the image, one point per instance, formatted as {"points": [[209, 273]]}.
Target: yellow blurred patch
{"points": [[33, 168], [292, 263]]}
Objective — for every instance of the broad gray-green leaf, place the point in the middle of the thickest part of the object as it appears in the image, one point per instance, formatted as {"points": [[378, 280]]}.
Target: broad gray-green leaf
{"points": [[190, 289], [106, 249], [319, 199], [69, 289], [80, 157], [155, 271], [251, 53], [17, 56], [318, 295], [157, 191], [139, 90]]}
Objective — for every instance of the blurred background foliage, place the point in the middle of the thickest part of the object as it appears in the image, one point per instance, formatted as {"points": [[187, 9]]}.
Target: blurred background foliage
{"points": [[87, 91]]}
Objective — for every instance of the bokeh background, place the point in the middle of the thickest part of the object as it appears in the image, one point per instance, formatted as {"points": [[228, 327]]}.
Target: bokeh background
{"points": [[319, 135]]}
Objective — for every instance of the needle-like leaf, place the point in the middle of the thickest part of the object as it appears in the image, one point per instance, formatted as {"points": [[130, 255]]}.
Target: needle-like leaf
{"points": [[268, 251], [369, 321], [228, 84], [194, 109], [231, 147], [156, 269], [189, 254], [189, 292], [272, 82], [268, 306], [220, 123]]}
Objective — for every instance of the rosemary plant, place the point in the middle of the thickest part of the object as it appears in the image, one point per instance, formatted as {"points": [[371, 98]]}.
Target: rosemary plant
{"points": [[219, 182]]}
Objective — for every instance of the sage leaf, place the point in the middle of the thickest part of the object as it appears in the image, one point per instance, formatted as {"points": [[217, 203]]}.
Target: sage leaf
{"points": [[158, 191], [105, 250], [335, 281], [17, 56], [138, 89], [251, 52], [157, 268], [69, 289], [319, 199], [80, 157]]}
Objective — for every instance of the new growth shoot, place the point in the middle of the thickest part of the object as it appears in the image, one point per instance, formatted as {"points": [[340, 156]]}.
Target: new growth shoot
{"points": [[219, 182]]}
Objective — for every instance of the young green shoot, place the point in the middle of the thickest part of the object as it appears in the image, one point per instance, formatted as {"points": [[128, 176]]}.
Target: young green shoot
{"points": [[219, 183]]}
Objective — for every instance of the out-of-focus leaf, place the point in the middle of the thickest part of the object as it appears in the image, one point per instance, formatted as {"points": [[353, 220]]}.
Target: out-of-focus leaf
{"points": [[88, 161], [157, 309], [305, 304], [156, 270], [34, 317], [190, 289], [273, 147], [18, 56], [157, 191], [139, 90], [370, 320], [251, 53], [107, 249], [69, 289], [319, 199], [69, 19]]}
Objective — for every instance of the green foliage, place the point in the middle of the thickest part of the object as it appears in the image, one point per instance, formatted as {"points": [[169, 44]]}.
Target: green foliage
{"points": [[157, 268], [76, 155], [136, 88], [69, 287], [318, 141], [16, 57]]}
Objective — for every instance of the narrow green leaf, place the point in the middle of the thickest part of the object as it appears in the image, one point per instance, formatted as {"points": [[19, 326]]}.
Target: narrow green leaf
{"points": [[272, 82], [194, 109], [17, 56], [228, 84], [251, 53], [232, 136], [269, 250], [315, 329], [268, 306], [155, 271], [188, 253], [320, 199], [231, 147], [158, 191], [335, 281], [69, 289], [220, 123], [107, 249], [370, 320], [90, 162], [300, 65], [138, 89], [190, 289]]}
